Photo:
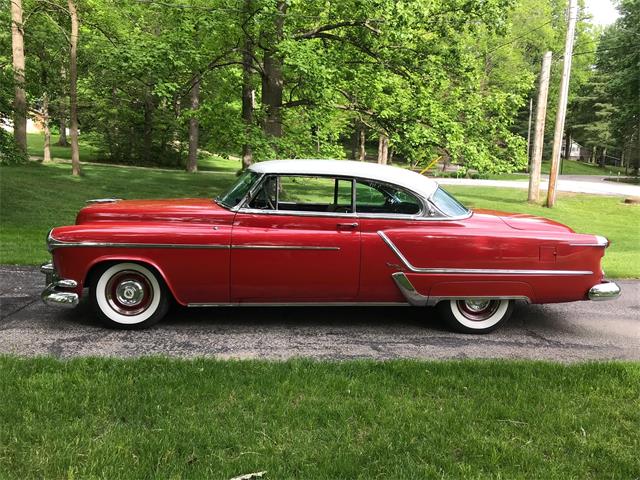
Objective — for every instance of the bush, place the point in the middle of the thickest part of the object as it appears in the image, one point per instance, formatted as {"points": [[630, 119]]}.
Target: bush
{"points": [[10, 154]]}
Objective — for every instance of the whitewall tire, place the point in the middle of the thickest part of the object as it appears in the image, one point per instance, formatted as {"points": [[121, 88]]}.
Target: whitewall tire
{"points": [[474, 315], [128, 295]]}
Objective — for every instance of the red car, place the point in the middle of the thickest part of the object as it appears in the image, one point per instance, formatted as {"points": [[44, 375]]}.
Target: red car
{"points": [[320, 232]]}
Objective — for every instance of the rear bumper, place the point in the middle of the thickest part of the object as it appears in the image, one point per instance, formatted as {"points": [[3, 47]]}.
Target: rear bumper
{"points": [[55, 293], [604, 291]]}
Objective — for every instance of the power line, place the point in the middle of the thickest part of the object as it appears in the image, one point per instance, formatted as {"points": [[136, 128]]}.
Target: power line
{"points": [[520, 36]]}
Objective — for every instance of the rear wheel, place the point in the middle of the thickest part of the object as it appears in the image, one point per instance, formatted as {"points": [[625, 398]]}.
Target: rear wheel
{"points": [[128, 295], [475, 315]]}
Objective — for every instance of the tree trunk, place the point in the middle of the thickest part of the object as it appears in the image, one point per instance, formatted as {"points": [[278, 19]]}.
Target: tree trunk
{"points": [[62, 139], [362, 140], [194, 128], [272, 79], [247, 93], [47, 132], [73, 89], [147, 129], [383, 149], [62, 114], [20, 97]]}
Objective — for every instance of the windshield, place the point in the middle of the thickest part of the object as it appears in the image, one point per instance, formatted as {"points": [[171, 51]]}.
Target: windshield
{"points": [[447, 204], [239, 189]]}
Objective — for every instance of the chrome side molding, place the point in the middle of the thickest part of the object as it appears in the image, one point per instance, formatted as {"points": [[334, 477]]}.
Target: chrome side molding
{"points": [[419, 300], [408, 290], [475, 271], [102, 200], [300, 304], [600, 242], [604, 291]]}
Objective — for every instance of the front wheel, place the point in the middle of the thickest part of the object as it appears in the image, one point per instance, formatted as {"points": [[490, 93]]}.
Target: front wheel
{"points": [[475, 315], [128, 295]]}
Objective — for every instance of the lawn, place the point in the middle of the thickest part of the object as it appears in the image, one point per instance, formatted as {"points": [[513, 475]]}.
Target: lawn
{"points": [[34, 198], [35, 148], [89, 153], [161, 418]]}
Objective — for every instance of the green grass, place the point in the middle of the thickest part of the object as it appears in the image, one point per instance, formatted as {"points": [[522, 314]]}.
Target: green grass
{"points": [[89, 153], [160, 418], [34, 198], [570, 167], [574, 167], [35, 147]]}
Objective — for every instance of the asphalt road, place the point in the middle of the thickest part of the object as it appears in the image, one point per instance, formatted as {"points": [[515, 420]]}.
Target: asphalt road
{"points": [[590, 184], [566, 332]]}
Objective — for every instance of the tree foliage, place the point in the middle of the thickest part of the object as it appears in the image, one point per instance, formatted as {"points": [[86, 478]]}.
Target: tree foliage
{"points": [[299, 78]]}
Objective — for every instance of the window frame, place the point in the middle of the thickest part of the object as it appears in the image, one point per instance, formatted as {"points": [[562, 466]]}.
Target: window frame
{"points": [[244, 205], [421, 202], [427, 208]]}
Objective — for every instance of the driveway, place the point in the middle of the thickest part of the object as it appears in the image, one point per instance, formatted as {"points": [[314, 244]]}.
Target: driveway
{"points": [[565, 332], [590, 184]]}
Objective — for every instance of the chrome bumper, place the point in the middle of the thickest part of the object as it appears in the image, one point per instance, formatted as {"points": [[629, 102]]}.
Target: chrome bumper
{"points": [[604, 291], [51, 295]]}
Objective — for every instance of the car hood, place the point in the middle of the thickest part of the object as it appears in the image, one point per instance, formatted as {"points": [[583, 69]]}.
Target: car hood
{"points": [[523, 221], [175, 210]]}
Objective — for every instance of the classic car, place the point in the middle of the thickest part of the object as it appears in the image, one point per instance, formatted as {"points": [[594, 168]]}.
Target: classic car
{"points": [[319, 232]]}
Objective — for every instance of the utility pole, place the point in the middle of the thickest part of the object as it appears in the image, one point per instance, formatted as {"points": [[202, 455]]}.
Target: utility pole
{"points": [[562, 103], [538, 137], [529, 133]]}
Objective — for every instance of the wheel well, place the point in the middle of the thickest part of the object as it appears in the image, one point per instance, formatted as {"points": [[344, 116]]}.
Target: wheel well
{"points": [[90, 276]]}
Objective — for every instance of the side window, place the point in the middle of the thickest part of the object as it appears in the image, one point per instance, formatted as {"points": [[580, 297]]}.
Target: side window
{"points": [[375, 197], [305, 194], [266, 198]]}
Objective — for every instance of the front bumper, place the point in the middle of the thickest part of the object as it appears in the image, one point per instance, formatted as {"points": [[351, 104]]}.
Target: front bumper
{"points": [[604, 291], [54, 293]]}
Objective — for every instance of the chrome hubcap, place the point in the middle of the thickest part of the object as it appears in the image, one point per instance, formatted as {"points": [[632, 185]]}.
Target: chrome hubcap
{"points": [[477, 305], [130, 293], [478, 309]]}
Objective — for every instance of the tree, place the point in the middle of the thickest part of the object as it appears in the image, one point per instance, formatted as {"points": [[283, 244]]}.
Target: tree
{"points": [[20, 96]]}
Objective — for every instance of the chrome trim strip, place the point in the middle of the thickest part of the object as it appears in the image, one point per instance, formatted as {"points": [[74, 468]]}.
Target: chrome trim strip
{"points": [[281, 247], [475, 271], [52, 244], [408, 290], [600, 242], [418, 300], [102, 200], [604, 291], [65, 283], [301, 304], [295, 213]]}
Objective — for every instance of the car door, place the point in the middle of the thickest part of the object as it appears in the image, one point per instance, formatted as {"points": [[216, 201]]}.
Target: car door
{"points": [[382, 207], [296, 240]]}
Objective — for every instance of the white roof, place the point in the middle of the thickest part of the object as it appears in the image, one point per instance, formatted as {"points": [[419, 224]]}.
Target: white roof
{"points": [[372, 171]]}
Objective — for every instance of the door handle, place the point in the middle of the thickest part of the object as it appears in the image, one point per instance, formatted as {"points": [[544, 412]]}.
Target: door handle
{"points": [[347, 226]]}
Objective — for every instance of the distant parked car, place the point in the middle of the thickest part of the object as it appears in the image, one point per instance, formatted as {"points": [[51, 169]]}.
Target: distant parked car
{"points": [[317, 232]]}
